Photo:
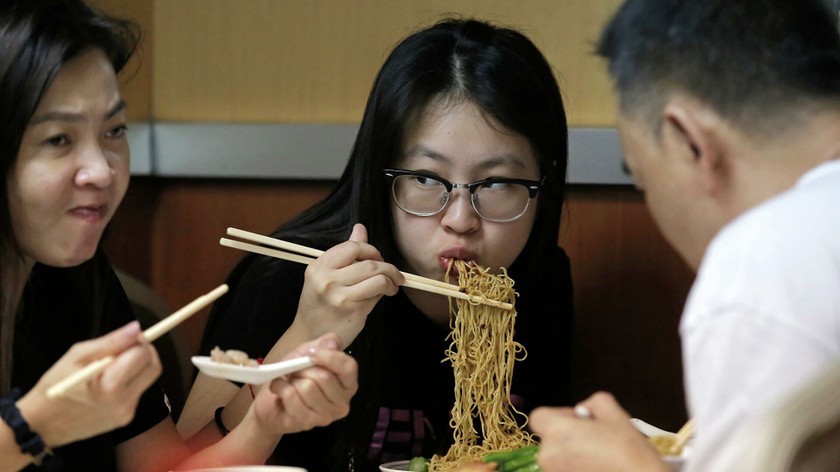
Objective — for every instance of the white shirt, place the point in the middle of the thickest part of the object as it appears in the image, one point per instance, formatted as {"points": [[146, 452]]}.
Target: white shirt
{"points": [[763, 315]]}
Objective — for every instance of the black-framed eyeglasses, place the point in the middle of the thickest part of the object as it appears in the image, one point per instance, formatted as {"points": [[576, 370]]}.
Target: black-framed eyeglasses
{"points": [[495, 199]]}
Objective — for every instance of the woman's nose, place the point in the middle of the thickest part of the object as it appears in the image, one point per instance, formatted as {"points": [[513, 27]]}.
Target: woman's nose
{"points": [[95, 169], [459, 215]]}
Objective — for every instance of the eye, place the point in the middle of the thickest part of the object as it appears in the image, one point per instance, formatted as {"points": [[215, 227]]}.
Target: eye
{"points": [[427, 182], [117, 132], [59, 140]]}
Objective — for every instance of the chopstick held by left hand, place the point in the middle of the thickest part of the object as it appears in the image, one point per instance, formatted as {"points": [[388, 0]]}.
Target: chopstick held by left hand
{"points": [[159, 329]]}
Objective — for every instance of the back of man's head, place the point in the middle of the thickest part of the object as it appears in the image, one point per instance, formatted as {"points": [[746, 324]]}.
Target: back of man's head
{"points": [[753, 61]]}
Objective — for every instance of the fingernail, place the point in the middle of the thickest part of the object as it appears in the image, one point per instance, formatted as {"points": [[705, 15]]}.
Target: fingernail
{"points": [[582, 412], [131, 329]]}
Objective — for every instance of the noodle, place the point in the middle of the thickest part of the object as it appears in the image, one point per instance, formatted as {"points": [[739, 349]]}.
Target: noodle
{"points": [[482, 353]]}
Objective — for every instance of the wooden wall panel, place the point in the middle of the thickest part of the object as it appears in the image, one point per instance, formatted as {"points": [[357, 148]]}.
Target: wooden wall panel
{"points": [[630, 287], [192, 215], [315, 60]]}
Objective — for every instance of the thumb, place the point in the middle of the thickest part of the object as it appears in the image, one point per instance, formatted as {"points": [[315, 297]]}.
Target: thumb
{"points": [[359, 233]]}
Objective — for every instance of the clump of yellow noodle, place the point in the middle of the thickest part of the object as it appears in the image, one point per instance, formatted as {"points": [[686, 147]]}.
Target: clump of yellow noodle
{"points": [[482, 352]]}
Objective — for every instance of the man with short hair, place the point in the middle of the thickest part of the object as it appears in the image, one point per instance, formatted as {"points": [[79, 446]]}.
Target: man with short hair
{"points": [[729, 119]]}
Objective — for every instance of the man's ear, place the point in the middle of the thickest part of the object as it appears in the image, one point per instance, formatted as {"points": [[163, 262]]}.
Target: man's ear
{"points": [[690, 133]]}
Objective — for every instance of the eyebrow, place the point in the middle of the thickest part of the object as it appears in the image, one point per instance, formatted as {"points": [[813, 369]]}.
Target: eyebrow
{"points": [[74, 117], [502, 159]]}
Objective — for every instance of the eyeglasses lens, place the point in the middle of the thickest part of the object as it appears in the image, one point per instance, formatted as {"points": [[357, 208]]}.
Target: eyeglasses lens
{"points": [[424, 196]]}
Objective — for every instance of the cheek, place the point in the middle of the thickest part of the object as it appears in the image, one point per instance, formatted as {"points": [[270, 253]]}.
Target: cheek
{"points": [[32, 188], [507, 240], [33, 195], [414, 237], [408, 231]]}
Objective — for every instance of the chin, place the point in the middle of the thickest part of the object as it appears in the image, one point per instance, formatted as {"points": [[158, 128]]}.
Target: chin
{"points": [[77, 257]]}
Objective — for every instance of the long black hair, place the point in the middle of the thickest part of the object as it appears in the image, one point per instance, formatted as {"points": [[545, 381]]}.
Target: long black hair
{"points": [[37, 37], [498, 69], [506, 76]]}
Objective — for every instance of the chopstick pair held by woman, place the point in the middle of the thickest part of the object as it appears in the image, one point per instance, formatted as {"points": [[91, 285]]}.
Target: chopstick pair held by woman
{"points": [[463, 160], [65, 162]]}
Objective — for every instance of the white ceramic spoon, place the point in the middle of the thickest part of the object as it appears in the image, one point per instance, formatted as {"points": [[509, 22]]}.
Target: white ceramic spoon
{"points": [[649, 430], [252, 375]]}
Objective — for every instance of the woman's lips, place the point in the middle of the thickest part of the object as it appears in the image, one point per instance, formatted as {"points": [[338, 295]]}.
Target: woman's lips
{"points": [[92, 213], [449, 256]]}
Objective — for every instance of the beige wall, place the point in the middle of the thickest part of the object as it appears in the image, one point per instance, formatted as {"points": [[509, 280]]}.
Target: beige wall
{"points": [[314, 60]]}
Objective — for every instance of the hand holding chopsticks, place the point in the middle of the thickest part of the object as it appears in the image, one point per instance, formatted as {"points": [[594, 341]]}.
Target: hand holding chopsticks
{"points": [[151, 334], [306, 255]]}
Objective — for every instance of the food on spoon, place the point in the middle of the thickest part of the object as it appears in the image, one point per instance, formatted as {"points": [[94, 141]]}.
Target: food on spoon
{"points": [[232, 356], [663, 445]]}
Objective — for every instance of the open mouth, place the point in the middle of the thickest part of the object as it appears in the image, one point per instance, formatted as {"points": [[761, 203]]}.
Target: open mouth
{"points": [[450, 266]]}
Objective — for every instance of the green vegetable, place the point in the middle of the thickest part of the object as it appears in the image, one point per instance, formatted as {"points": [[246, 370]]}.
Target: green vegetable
{"points": [[532, 467], [418, 464], [504, 456], [518, 460]]}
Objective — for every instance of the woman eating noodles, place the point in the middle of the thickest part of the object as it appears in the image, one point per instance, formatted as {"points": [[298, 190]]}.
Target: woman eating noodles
{"points": [[467, 112], [65, 160]]}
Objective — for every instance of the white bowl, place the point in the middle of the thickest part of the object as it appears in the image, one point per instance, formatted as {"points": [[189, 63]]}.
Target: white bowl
{"points": [[396, 466]]}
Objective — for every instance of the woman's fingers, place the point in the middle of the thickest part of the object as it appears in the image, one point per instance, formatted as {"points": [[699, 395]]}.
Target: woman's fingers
{"points": [[136, 361], [108, 345], [359, 233], [103, 402], [315, 396], [325, 352], [358, 281], [604, 406]]}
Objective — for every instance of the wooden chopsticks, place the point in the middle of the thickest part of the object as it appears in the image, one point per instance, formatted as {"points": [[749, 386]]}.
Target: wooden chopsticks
{"points": [[682, 437], [309, 255], [159, 329]]}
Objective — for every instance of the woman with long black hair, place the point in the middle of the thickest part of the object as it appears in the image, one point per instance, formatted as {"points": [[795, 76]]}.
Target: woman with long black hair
{"points": [[65, 163], [472, 113]]}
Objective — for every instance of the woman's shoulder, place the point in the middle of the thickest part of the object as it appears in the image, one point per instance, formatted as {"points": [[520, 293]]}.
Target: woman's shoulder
{"points": [[260, 305]]}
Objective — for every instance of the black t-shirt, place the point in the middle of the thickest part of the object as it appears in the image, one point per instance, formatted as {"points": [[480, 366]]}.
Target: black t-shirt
{"points": [[60, 307], [406, 392]]}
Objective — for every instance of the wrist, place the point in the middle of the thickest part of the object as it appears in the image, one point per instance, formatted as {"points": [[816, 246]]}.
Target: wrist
{"points": [[28, 440], [256, 442]]}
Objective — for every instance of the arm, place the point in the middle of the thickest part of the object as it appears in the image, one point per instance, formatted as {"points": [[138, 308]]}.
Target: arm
{"points": [[341, 288], [606, 442], [312, 397]]}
